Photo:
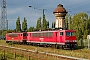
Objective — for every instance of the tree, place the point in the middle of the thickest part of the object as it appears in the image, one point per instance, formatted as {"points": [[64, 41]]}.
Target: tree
{"points": [[24, 25], [67, 21], [47, 24], [81, 23], [31, 29], [18, 25], [38, 25], [10, 31], [44, 23], [53, 24]]}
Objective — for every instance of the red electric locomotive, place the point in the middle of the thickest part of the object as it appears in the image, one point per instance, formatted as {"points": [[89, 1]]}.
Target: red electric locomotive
{"points": [[64, 38], [57, 38], [16, 37]]}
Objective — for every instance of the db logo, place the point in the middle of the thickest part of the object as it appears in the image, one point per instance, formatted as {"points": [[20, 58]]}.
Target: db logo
{"points": [[41, 39]]}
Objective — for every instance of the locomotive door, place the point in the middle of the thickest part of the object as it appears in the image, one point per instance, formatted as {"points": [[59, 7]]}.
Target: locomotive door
{"points": [[24, 36], [61, 37], [21, 36]]}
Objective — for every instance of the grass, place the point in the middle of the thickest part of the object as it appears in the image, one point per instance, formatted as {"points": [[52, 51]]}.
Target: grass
{"points": [[33, 56], [11, 56], [80, 53]]}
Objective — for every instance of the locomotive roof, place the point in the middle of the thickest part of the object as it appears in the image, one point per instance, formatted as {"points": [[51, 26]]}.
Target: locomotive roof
{"points": [[51, 31], [16, 33]]}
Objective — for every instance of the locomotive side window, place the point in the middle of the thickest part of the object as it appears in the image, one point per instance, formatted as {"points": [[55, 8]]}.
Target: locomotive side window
{"points": [[48, 34], [45, 34], [36, 34], [61, 33], [33, 34], [12, 35]]}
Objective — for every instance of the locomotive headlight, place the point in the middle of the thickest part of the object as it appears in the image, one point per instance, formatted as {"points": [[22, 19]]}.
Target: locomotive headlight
{"points": [[67, 40], [74, 41]]}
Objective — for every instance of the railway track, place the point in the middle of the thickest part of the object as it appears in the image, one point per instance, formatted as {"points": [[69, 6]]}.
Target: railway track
{"points": [[45, 55]]}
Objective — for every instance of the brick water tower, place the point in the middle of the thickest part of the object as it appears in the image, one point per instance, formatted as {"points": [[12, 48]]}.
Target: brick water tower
{"points": [[60, 13]]}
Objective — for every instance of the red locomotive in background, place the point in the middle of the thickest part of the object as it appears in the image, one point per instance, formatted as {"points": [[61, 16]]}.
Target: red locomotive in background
{"points": [[64, 38], [16, 37]]}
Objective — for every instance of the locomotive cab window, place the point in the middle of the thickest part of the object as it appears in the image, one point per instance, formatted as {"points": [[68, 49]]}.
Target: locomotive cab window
{"points": [[73, 33], [61, 33]]}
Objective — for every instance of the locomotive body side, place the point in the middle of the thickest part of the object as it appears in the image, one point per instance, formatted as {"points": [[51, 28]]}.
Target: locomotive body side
{"points": [[16, 37], [46, 37], [65, 38]]}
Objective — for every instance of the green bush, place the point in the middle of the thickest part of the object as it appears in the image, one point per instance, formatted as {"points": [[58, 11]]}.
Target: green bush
{"points": [[10, 43]]}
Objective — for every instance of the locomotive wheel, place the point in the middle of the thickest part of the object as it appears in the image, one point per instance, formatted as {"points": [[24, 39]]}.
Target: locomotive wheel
{"points": [[57, 46], [53, 46], [24, 42], [70, 46], [62, 46], [45, 45]]}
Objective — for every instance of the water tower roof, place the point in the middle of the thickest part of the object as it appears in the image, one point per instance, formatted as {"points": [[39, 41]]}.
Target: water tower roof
{"points": [[60, 9]]}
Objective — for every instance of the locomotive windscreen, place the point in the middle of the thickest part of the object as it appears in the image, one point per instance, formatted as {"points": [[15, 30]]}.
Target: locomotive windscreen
{"points": [[70, 33]]}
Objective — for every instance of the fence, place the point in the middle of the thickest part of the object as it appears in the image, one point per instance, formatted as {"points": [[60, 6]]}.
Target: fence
{"points": [[20, 54], [24, 54], [84, 42], [7, 55]]}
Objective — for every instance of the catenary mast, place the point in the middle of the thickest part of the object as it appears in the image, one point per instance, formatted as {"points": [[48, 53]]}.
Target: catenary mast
{"points": [[3, 15]]}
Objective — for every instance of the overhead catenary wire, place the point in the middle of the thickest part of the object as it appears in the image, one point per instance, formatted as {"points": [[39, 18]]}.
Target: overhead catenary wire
{"points": [[71, 8], [50, 5]]}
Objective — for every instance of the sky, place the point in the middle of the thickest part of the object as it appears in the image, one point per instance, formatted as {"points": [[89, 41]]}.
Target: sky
{"points": [[20, 8]]}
